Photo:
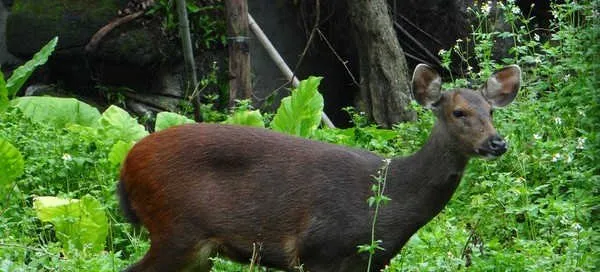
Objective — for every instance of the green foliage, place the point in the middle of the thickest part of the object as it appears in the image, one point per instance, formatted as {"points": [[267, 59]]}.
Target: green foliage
{"points": [[166, 120], [117, 124], [300, 113], [207, 23], [22, 73], [3, 93], [57, 111], [246, 118], [11, 162], [119, 151], [78, 223]]}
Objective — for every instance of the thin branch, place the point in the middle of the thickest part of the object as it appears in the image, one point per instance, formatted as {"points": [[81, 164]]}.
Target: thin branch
{"points": [[345, 63], [420, 29], [310, 38], [419, 44], [276, 57]]}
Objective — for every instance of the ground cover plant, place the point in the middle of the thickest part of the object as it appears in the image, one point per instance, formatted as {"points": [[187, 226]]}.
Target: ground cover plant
{"points": [[534, 209]]}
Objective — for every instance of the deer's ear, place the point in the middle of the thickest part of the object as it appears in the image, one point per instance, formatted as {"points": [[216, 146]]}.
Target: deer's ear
{"points": [[426, 85], [502, 87]]}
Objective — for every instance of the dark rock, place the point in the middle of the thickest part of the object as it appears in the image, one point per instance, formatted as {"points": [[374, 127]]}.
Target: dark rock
{"points": [[33, 23]]}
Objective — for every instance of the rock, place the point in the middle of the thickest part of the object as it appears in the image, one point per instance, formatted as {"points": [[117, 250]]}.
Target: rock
{"points": [[33, 23]]}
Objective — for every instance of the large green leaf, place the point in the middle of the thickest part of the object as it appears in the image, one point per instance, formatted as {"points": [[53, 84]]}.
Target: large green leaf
{"points": [[300, 113], [119, 151], [78, 223], [167, 119], [57, 111], [246, 118], [3, 93], [11, 162], [117, 124], [23, 72]]}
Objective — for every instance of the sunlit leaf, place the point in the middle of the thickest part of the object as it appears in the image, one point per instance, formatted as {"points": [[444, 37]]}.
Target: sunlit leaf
{"points": [[11, 162], [78, 223], [23, 72], [300, 113], [166, 120], [57, 111], [246, 118]]}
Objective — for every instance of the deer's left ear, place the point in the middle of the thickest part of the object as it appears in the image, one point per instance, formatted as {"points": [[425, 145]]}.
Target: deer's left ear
{"points": [[502, 87]]}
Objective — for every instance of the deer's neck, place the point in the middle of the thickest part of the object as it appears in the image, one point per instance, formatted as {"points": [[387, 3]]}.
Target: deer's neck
{"points": [[421, 185]]}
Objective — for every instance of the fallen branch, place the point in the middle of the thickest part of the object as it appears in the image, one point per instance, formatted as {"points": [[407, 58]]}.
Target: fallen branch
{"points": [[100, 34]]}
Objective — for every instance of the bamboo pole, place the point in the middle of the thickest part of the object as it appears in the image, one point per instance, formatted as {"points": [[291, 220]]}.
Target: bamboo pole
{"points": [[276, 57], [188, 55]]}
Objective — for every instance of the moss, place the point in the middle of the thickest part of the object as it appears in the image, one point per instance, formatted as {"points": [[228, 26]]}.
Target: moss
{"points": [[34, 22]]}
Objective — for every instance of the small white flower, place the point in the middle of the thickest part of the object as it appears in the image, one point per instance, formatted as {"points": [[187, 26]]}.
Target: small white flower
{"points": [[582, 113], [569, 159], [387, 160], [577, 227], [557, 120], [459, 40], [67, 157], [516, 10], [442, 52], [580, 143], [469, 68], [566, 77], [486, 8], [536, 37], [537, 136], [556, 157]]}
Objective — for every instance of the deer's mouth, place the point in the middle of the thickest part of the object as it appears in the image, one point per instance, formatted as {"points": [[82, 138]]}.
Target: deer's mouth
{"points": [[490, 153]]}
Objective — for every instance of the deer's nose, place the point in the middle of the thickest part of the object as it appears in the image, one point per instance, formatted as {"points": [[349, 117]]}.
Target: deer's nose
{"points": [[497, 145]]}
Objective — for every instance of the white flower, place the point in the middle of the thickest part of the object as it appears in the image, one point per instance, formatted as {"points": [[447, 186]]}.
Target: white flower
{"points": [[580, 143], [556, 157], [577, 227], [442, 52], [537, 136], [536, 37], [486, 8], [387, 161], [459, 40], [516, 10], [569, 159], [557, 120], [582, 113], [566, 77], [67, 157], [469, 68]]}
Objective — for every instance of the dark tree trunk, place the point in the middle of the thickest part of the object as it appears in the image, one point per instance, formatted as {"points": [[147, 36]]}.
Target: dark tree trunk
{"points": [[240, 86], [384, 83]]}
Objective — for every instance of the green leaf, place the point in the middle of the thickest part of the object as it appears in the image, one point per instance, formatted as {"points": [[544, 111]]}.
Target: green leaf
{"points": [[21, 74], [300, 113], [246, 118], [78, 223], [119, 151], [57, 111], [3, 93], [11, 162], [117, 124], [167, 119]]}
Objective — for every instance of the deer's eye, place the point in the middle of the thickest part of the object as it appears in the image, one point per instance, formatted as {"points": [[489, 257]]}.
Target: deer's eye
{"points": [[459, 113], [491, 113]]}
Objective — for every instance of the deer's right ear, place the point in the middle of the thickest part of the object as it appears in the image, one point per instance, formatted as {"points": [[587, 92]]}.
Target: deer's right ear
{"points": [[426, 85]]}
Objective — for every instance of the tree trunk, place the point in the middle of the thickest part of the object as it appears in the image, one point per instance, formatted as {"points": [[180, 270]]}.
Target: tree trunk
{"points": [[240, 86], [384, 83]]}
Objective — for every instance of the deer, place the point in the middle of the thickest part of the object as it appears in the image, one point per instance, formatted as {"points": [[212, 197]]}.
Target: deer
{"points": [[207, 189]]}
